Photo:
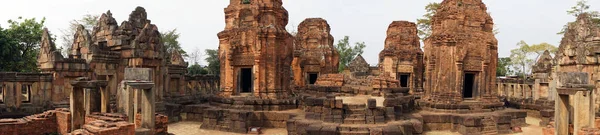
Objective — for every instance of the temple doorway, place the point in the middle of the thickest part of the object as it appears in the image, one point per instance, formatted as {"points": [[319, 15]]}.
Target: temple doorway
{"points": [[468, 85], [403, 78], [245, 80], [312, 78]]}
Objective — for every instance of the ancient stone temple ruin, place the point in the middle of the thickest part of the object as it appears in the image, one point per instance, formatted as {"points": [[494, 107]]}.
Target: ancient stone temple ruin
{"points": [[118, 78], [402, 58], [314, 53], [92, 81], [460, 67], [255, 50]]}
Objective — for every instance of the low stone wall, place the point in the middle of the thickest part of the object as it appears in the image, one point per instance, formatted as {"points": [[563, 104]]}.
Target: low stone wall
{"points": [[252, 104], [232, 120], [498, 122], [100, 127], [160, 125], [541, 108], [299, 126], [38, 124]]}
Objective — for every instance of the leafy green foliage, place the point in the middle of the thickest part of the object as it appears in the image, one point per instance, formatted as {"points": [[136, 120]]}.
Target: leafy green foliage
{"points": [[348, 52], [88, 21], [213, 61], [521, 58], [170, 40], [424, 24], [580, 8], [503, 68], [196, 69], [21, 44]]}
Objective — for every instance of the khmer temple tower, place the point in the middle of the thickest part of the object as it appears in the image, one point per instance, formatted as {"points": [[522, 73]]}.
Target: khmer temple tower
{"points": [[255, 50], [314, 53]]}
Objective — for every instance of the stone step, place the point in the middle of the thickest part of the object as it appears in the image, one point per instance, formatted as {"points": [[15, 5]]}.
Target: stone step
{"points": [[355, 116], [355, 106], [355, 133], [356, 111], [355, 121]]}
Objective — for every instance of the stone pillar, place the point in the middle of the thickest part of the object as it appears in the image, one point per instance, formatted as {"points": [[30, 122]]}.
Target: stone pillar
{"points": [[574, 86], [77, 108], [146, 103], [92, 100], [78, 101], [105, 100], [561, 115]]}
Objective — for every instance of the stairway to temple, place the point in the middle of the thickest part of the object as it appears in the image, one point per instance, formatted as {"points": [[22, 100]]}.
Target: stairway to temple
{"points": [[489, 126], [355, 114]]}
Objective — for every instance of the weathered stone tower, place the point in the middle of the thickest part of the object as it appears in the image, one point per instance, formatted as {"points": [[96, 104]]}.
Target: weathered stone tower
{"points": [[402, 58], [255, 50], [461, 56], [314, 53]]}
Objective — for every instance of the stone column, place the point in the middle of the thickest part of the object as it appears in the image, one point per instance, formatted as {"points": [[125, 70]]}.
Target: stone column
{"points": [[574, 85], [146, 102], [105, 99], [561, 115], [77, 107]]}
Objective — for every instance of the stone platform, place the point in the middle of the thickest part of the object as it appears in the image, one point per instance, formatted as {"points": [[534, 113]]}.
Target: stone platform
{"points": [[496, 122]]}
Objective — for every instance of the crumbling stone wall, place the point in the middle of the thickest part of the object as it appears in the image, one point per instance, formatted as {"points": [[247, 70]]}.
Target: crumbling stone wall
{"points": [[576, 52], [313, 51], [255, 38], [25, 93], [358, 66], [402, 55]]}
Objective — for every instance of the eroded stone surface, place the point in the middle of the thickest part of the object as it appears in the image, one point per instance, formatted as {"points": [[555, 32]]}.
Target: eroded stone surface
{"points": [[314, 52], [402, 58], [462, 43], [255, 41]]}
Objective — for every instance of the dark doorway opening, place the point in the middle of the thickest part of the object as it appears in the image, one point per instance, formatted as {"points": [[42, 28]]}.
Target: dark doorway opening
{"points": [[468, 85], [403, 78], [312, 78], [245, 80]]}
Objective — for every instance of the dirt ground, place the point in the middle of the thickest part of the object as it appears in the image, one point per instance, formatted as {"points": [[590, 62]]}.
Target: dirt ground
{"points": [[193, 128]]}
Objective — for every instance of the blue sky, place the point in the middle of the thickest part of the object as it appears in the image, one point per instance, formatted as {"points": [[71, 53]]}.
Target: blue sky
{"points": [[199, 21]]}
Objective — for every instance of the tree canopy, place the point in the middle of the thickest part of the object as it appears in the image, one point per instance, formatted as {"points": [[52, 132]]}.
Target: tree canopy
{"points": [[20, 45], [503, 68], [523, 58], [580, 8], [170, 39], [348, 52], [424, 24], [88, 21], [213, 61]]}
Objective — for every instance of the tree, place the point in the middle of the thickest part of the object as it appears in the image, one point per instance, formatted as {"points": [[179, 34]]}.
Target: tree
{"points": [[195, 56], [26, 35], [424, 24], [521, 58], [8, 52], [348, 52], [503, 68], [213, 61], [196, 69], [580, 8], [170, 40], [88, 21]]}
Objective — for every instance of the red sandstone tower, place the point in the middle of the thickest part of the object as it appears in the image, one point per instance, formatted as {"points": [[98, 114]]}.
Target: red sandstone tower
{"points": [[460, 58], [314, 53], [255, 50]]}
